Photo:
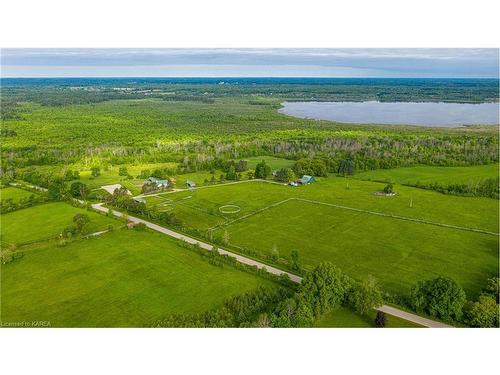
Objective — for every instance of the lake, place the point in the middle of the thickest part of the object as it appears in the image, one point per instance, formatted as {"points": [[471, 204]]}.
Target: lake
{"points": [[400, 113]]}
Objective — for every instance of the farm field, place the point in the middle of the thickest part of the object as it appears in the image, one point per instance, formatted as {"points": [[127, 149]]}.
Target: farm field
{"points": [[346, 318], [251, 196], [398, 252], [46, 221], [428, 174], [14, 193], [119, 279]]}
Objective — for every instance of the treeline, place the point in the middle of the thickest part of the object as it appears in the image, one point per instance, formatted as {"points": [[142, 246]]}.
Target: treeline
{"points": [[321, 291], [333, 89], [327, 288], [239, 311], [9, 205], [488, 187]]}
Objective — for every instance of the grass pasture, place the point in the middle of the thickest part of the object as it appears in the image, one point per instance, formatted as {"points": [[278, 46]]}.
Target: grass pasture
{"points": [[346, 318], [125, 278], [274, 162], [14, 193], [45, 221], [429, 174], [398, 252], [199, 209]]}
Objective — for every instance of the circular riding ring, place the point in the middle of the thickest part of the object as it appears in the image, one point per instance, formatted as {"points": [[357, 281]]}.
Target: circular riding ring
{"points": [[165, 200], [166, 207], [229, 209]]}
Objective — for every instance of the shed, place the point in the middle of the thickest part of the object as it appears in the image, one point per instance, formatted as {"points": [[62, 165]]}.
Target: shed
{"points": [[190, 184], [306, 179]]}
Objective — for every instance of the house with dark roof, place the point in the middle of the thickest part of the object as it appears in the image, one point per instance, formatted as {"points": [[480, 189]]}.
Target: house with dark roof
{"points": [[159, 183]]}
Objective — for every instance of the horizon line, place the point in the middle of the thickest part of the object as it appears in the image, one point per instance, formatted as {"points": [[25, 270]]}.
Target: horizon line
{"points": [[237, 77]]}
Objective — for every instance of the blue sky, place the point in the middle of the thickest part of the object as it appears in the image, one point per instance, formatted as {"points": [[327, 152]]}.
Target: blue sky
{"points": [[392, 62]]}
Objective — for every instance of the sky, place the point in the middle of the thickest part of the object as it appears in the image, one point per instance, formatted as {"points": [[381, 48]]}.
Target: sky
{"points": [[394, 62]]}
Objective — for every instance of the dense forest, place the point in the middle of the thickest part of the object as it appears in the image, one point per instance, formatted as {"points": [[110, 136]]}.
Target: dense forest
{"points": [[197, 122]]}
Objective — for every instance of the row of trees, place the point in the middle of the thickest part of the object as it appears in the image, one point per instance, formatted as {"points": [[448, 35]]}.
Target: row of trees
{"points": [[488, 187], [9, 205]]}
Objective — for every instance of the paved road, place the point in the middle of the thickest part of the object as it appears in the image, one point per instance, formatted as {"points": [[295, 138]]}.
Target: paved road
{"points": [[412, 317], [242, 259]]}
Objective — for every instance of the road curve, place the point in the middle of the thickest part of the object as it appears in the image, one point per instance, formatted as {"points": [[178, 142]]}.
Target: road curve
{"points": [[251, 262]]}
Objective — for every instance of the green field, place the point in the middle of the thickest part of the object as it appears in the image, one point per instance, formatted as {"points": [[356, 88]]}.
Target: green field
{"points": [[47, 221], [14, 193], [398, 252], [119, 279], [427, 174], [204, 203], [274, 162], [346, 318]]}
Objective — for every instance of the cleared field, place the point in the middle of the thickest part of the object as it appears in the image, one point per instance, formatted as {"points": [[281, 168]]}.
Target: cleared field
{"points": [[200, 209], [120, 279], [14, 193], [251, 196], [427, 174], [471, 212], [46, 221], [273, 162], [345, 318], [397, 252]]}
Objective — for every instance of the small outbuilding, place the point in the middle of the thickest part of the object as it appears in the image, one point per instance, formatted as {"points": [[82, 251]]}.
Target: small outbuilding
{"points": [[306, 179], [190, 184]]}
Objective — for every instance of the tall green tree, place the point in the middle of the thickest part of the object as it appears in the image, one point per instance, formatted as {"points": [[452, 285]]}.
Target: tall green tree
{"points": [[440, 297], [285, 175], [365, 296], [262, 170]]}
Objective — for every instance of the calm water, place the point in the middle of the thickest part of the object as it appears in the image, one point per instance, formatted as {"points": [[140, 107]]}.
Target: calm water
{"points": [[401, 113]]}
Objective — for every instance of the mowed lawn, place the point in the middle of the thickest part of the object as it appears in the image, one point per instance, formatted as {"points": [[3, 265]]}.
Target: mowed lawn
{"points": [[428, 174], [397, 252], [346, 318], [125, 278], [46, 221], [14, 193]]}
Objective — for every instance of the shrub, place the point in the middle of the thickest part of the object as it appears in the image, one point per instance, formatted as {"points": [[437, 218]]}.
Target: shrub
{"points": [[140, 226], [483, 313]]}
